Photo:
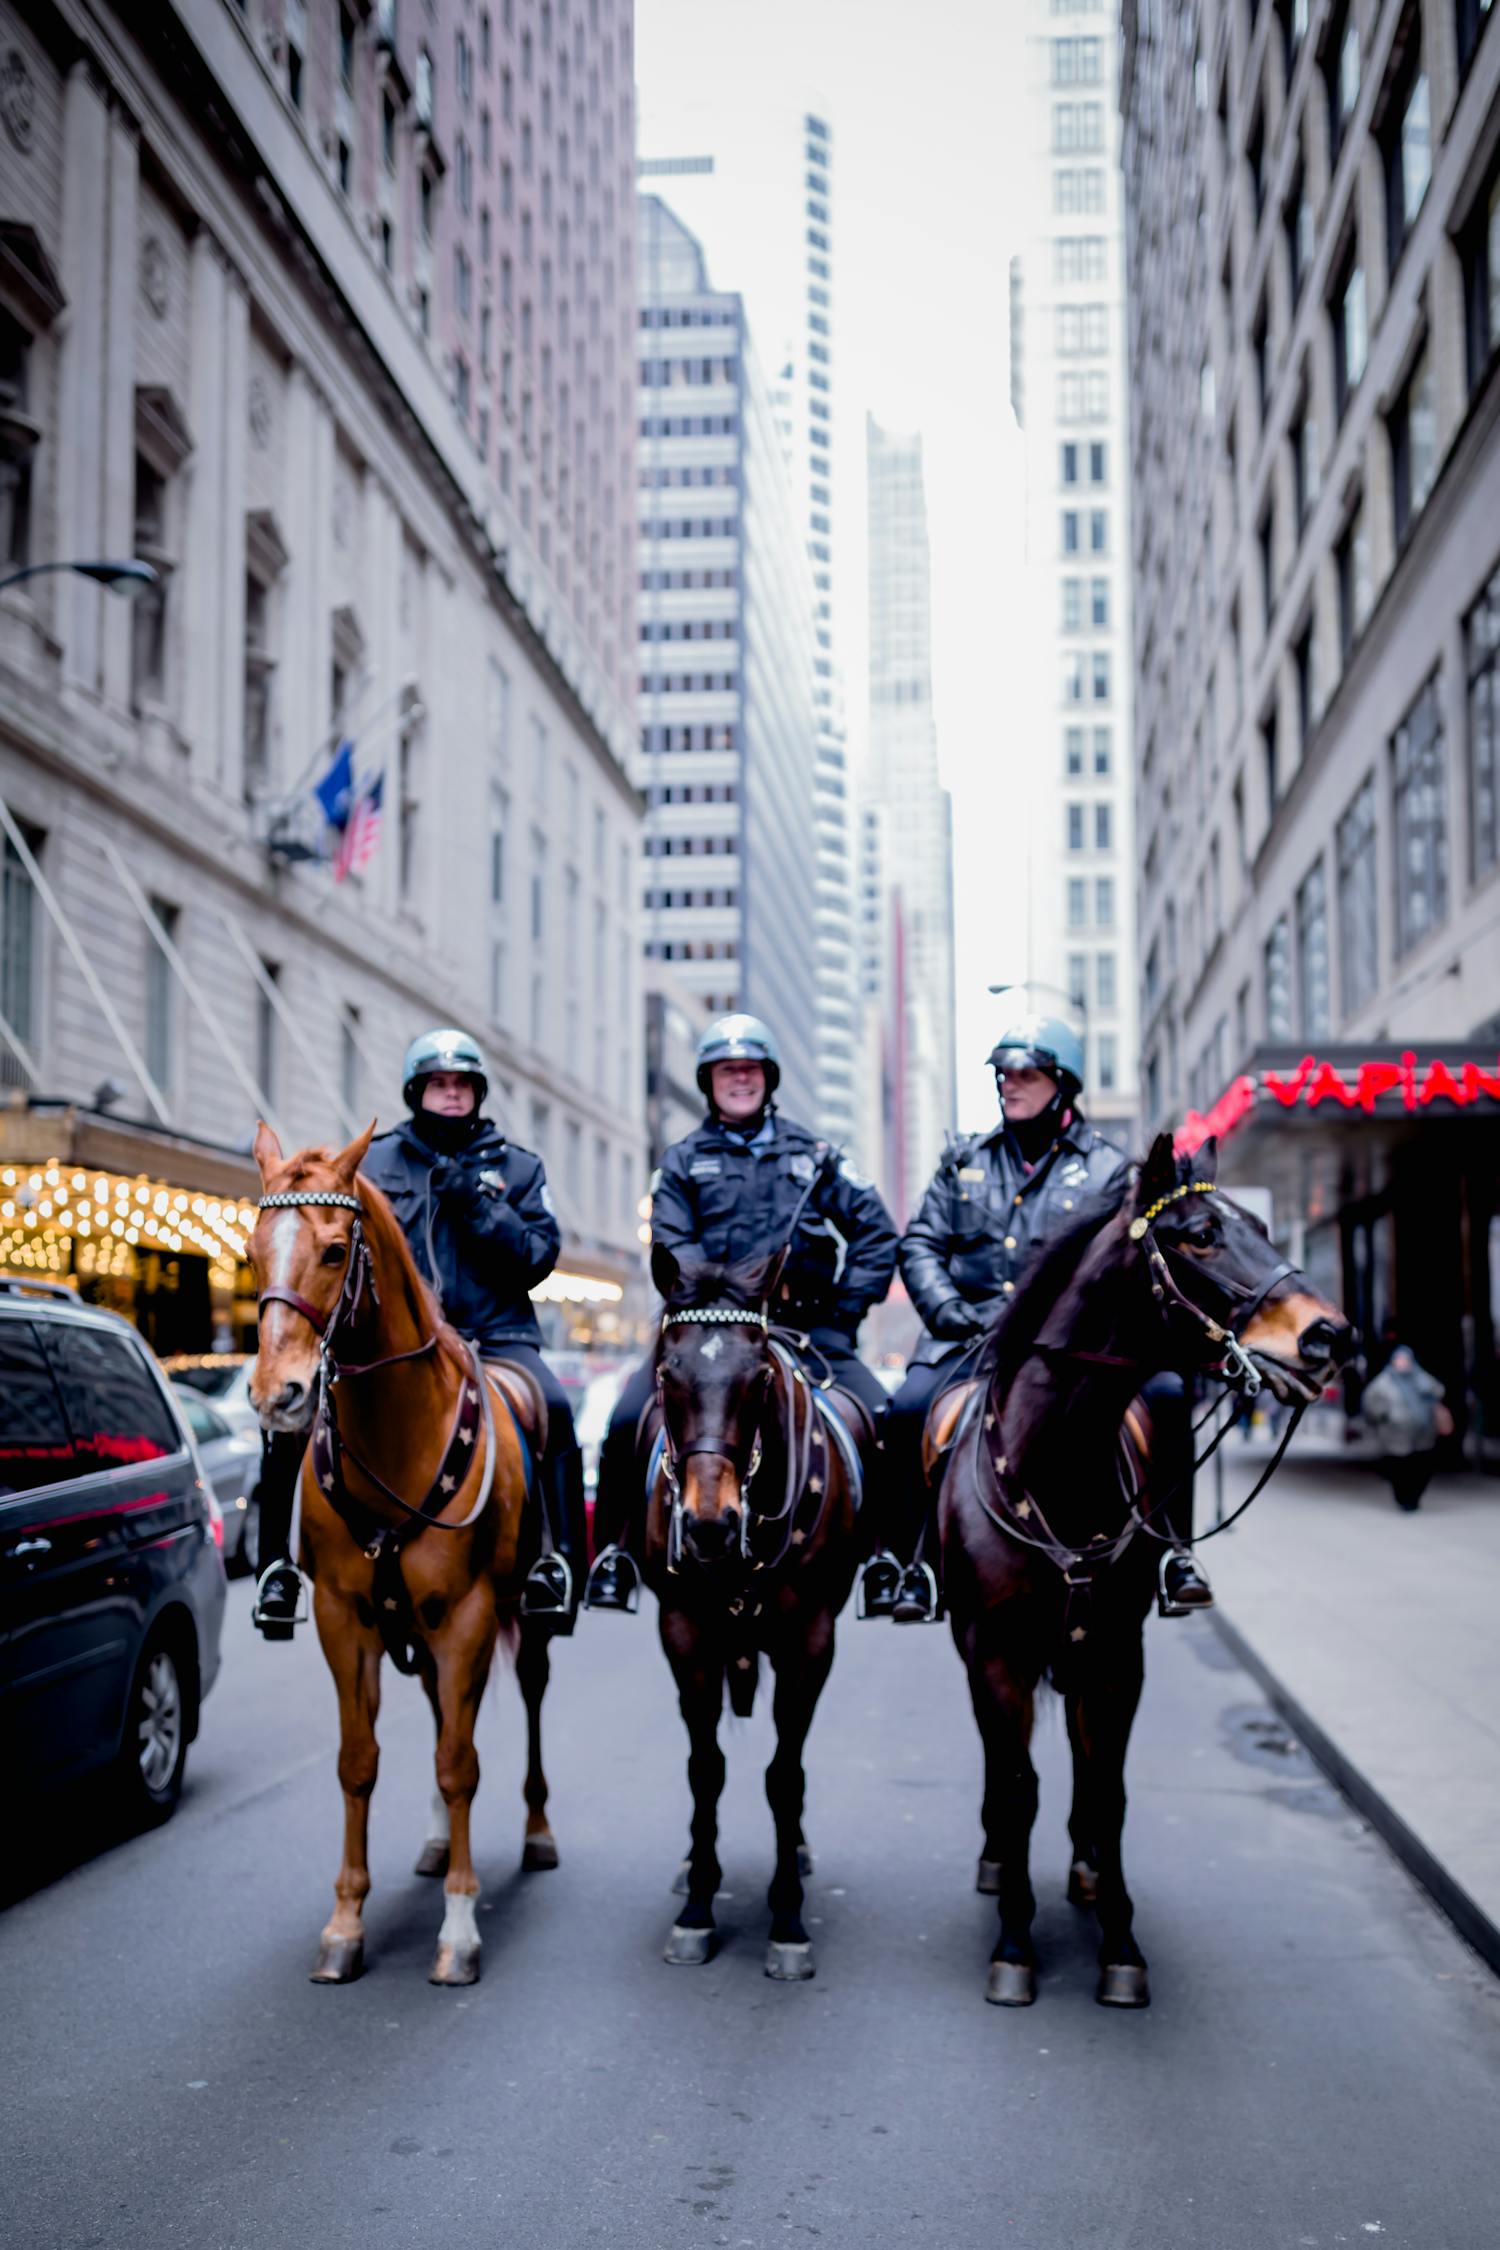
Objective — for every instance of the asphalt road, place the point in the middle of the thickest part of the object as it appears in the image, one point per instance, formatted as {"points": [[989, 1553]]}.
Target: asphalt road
{"points": [[1320, 2065]]}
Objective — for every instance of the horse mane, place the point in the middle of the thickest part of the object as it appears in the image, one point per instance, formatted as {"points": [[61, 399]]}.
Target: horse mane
{"points": [[1040, 1291], [708, 1281]]}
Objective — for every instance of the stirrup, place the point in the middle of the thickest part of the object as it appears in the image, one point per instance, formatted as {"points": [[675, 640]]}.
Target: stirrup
{"points": [[548, 1588], [878, 1585], [1169, 1604], [616, 1559], [276, 1624], [929, 1614]]}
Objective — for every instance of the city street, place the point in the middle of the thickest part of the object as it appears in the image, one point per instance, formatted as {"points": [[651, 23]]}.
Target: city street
{"points": [[1319, 2065]]}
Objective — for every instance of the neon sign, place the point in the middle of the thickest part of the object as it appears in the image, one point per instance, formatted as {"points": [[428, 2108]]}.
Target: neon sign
{"points": [[1360, 1087]]}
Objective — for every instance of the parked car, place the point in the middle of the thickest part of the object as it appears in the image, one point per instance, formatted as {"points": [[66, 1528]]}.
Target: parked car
{"points": [[231, 1458], [111, 1574], [224, 1379]]}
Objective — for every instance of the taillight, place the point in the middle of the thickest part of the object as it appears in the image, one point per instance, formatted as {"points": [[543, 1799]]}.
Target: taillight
{"points": [[216, 1521]]}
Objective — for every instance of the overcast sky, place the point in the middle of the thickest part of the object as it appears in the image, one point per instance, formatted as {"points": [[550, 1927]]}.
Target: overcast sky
{"points": [[925, 110]]}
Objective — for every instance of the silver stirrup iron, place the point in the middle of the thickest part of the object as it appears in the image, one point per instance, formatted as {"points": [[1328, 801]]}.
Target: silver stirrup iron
{"points": [[299, 1615]]}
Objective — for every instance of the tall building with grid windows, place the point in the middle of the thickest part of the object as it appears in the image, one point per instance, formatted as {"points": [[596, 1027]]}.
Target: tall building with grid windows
{"points": [[1314, 254], [757, 190], [726, 661], [1068, 393]]}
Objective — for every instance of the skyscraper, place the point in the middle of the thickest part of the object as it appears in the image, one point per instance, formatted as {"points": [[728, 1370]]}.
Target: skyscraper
{"points": [[1068, 390], [907, 833], [758, 193], [726, 660]]}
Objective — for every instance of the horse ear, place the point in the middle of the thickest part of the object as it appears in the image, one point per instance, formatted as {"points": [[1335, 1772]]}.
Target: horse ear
{"points": [[1205, 1164], [1158, 1175], [266, 1150], [349, 1160]]}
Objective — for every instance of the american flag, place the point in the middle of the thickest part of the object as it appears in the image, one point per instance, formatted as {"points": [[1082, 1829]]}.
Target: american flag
{"points": [[361, 836]]}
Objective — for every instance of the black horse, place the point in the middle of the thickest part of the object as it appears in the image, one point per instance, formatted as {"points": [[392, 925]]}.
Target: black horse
{"points": [[1051, 1535], [751, 1551]]}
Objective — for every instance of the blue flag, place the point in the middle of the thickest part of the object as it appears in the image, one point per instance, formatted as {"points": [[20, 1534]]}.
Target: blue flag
{"points": [[335, 792]]}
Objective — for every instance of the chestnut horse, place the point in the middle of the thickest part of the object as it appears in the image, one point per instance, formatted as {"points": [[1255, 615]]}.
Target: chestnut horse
{"points": [[751, 1551], [412, 1496], [1050, 1544]]}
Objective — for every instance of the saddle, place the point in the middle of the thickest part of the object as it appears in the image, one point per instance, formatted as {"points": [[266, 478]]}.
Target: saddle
{"points": [[940, 1430], [522, 1393]]}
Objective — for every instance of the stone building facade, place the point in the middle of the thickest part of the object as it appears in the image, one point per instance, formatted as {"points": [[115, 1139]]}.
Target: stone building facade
{"points": [[214, 354]]}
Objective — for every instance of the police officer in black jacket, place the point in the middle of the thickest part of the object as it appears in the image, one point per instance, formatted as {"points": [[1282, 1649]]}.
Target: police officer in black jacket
{"points": [[732, 1192], [997, 1201], [479, 1221]]}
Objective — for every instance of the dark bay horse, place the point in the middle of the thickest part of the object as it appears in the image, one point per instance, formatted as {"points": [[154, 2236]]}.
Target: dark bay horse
{"points": [[1051, 1542], [751, 1551], [412, 1494]]}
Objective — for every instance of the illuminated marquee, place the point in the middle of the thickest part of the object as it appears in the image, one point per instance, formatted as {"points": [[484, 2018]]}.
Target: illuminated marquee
{"points": [[1415, 1085]]}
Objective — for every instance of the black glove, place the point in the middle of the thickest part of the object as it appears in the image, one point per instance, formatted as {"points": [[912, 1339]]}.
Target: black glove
{"points": [[957, 1321]]}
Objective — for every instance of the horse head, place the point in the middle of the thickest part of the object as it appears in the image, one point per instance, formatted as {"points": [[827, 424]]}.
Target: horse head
{"points": [[301, 1250], [1213, 1263], [713, 1372]]}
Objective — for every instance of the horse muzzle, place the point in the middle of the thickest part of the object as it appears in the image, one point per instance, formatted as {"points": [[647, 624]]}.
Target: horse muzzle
{"points": [[1323, 1347], [290, 1409], [712, 1538]]}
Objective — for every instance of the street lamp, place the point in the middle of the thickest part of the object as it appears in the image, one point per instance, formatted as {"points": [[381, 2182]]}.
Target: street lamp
{"points": [[131, 579], [1075, 1000]]}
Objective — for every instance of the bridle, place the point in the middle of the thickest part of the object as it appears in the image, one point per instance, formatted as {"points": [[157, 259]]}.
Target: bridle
{"points": [[1235, 1370], [359, 1277], [804, 1441]]}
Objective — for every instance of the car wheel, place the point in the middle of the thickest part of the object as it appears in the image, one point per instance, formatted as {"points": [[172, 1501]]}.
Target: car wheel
{"points": [[153, 1750], [249, 1547]]}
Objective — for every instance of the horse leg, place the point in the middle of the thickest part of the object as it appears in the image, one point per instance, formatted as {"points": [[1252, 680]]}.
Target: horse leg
{"points": [[799, 1683], [1083, 1875], [354, 1660], [432, 1859], [1105, 1714], [1003, 1705], [533, 1670], [463, 1655], [700, 1697]]}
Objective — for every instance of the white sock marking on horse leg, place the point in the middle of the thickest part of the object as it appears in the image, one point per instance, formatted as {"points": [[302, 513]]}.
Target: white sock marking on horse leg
{"points": [[460, 1923], [438, 1826]]}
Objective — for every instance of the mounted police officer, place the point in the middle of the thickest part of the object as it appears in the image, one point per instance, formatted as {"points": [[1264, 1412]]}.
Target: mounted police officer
{"points": [[997, 1201], [479, 1221], [734, 1191]]}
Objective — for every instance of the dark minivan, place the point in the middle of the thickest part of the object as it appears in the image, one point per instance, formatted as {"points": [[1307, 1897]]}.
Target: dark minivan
{"points": [[111, 1582]]}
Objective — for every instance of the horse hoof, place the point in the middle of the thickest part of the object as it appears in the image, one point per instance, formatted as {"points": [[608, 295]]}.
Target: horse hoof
{"points": [[790, 1963], [680, 1881], [688, 1949], [987, 1878], [1012, 1984], [339, 1961], [1122, 1984], [455, 1964], [805, 1866], [538, 1854], [1083, 1884], [433, 1857]]}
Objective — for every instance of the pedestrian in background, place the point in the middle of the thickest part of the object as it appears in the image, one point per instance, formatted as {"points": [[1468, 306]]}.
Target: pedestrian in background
{"points": [[1405, 1414]]}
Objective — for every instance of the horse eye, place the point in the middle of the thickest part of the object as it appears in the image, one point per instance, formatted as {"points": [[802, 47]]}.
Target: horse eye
{"points": [[334, 1254]]}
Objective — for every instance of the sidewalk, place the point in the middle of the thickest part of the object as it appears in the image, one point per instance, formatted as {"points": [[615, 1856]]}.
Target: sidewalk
{"points": [[1376, 1633]]}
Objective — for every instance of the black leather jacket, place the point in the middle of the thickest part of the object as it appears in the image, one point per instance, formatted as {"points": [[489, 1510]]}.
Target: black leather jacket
{"points": [[480, 1225], [734, 1200], [985, 1216]]}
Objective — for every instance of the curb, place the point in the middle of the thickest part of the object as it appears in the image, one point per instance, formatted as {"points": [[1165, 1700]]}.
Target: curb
{"points": [[1468, 1918]]}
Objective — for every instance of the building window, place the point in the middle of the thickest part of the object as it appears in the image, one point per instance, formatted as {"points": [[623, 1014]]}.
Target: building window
{"points": [[1104, 902], [148, 610], [408, 816], [1106, 1061], [1073, 675], [260, 673], [1481, 266], [1302, 663], [1419, 805], [1100, 675], [1408, 162], [1356, 589], [1106, 981], [1073, 752], [1313, 994], [1103, 760], [1359, 896], [1473, 15], [1482, 652], [1070, 542], [1299, 227], [1070, 464], [1078, 980], [1413, 433], [266, 1027], [1098, 463], [349, 1072], [1078, 912], [1305, 483], [160, 1044], [1073, 820], [1270, 763], [1341, 75], [1103, 828], [1072, 605], [1098, 531], [18, 952], [1350, 332], [1099, 602], [1277, 970]]}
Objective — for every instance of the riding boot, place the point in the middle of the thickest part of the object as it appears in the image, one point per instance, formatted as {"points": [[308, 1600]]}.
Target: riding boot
{"points": [[919, 1599], [614, 1582], [549, 1590], [1181, 1585], [279, 1605]]}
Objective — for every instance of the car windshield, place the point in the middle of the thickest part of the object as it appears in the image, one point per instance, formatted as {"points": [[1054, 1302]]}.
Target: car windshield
{"points": [[201, 1418], [212, 1379]]}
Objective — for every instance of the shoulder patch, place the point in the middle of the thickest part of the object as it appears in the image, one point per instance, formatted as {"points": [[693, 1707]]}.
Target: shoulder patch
{"points": [[705, 1167], [547, 1203], [654, 1182], [851, 1173], [801, 1168]]}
